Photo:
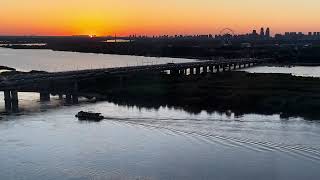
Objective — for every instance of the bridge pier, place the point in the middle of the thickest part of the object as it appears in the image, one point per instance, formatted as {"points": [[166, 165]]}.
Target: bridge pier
{"points": [[223, 68], [72, 96], [205, 69], [174, 72], [75, 99], [211, 68], [14, 101], [11, 101], [7, 100], [44, 96], [68, 98], [191, 71], [60, 96], [198, 70], [217, 68]]}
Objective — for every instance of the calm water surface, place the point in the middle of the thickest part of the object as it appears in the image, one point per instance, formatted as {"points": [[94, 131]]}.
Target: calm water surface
{"points": [[306, 71], [47, 60], [46, 141]]}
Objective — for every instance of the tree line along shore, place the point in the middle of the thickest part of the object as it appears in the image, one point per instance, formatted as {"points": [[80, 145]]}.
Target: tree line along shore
{"points": [[284, 52], [238, 92]]}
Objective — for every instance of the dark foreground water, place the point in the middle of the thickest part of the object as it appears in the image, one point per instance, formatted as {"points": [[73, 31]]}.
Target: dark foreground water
{"points": [[48, 142], [45, 141]]}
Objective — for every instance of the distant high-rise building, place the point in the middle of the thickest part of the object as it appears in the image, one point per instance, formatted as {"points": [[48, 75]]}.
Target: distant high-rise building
{"points": [[262, 32], [268, 33], [254, 32]]}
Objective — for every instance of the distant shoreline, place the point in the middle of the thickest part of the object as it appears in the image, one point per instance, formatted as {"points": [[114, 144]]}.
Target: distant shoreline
{"points": [[7, 68], [94, 51]]}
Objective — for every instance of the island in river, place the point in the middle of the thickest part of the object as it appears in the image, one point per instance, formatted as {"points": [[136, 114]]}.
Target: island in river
{"points": [[238, 92]]}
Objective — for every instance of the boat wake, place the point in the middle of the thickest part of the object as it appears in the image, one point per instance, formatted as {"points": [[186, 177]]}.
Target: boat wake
{"points": [[294, 150]]}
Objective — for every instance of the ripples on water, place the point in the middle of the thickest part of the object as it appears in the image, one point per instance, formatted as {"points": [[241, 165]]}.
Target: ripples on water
{"points": [[47, 142]]}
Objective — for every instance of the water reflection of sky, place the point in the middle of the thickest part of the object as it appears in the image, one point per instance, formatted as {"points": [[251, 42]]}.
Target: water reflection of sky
{"points": [[24, 44], [48, 60], [162, 143], [307, 71]]}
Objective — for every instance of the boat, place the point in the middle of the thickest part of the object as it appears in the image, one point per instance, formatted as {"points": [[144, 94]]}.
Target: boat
{"points": [[89, 116]]}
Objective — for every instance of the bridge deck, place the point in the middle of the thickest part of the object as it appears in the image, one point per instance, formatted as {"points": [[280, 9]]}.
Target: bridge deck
{"points": [[28, 78]]}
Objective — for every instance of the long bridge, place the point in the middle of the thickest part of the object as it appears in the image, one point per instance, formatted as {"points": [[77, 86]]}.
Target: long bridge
{"points": [[66, 83]]}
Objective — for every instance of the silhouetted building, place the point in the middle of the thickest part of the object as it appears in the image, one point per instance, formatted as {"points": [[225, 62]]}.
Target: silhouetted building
{"points": [[268, 33], [254, 32], [262, 32]]}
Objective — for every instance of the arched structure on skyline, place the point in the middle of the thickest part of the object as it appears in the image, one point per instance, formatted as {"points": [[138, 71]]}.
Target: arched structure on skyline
{"points": [[227, 31]]}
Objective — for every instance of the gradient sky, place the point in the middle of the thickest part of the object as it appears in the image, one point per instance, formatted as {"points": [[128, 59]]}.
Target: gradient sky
{"points": [[154, 17]]}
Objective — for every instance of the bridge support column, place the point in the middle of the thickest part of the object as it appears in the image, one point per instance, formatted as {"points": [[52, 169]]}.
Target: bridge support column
{"points": [[174, 72], [211, 69], [223, 68], [198, 70], [229, 67], [14, 101], [234, 66], [191, 71], [205, 69], [75, 99], [7, 100], [60, 96], [68, 98], [218, 68], [44, 96], [11, 101]]}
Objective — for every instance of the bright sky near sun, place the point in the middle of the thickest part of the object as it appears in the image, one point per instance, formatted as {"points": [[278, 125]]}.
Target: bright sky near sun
{"points": [[155, 17]]}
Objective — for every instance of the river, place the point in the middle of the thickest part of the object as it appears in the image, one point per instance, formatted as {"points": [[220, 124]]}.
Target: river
{"points": [[46, 141]]}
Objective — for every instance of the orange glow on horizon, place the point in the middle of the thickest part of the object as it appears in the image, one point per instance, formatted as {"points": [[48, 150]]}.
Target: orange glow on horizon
{"points": [[151, 17]]}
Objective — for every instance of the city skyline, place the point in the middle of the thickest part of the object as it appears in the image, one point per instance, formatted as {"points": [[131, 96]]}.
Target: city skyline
{"points": [[148, 17]]}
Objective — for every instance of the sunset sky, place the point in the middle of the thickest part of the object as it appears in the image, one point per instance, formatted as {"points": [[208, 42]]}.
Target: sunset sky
{"points": [[155, 17]]}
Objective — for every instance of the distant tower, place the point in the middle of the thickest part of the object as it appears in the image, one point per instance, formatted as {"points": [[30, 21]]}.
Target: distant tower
{"points": [[268, 33], [262, 32], [254, 32]]}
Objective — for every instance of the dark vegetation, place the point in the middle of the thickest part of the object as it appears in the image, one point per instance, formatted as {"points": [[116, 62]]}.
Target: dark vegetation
{"points": [[283, 51], [239, 92], [7, 68]]}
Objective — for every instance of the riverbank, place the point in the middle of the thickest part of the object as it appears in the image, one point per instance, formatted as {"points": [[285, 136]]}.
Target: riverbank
{"points": [[194, 48], [6, 68], [238, 92]]}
